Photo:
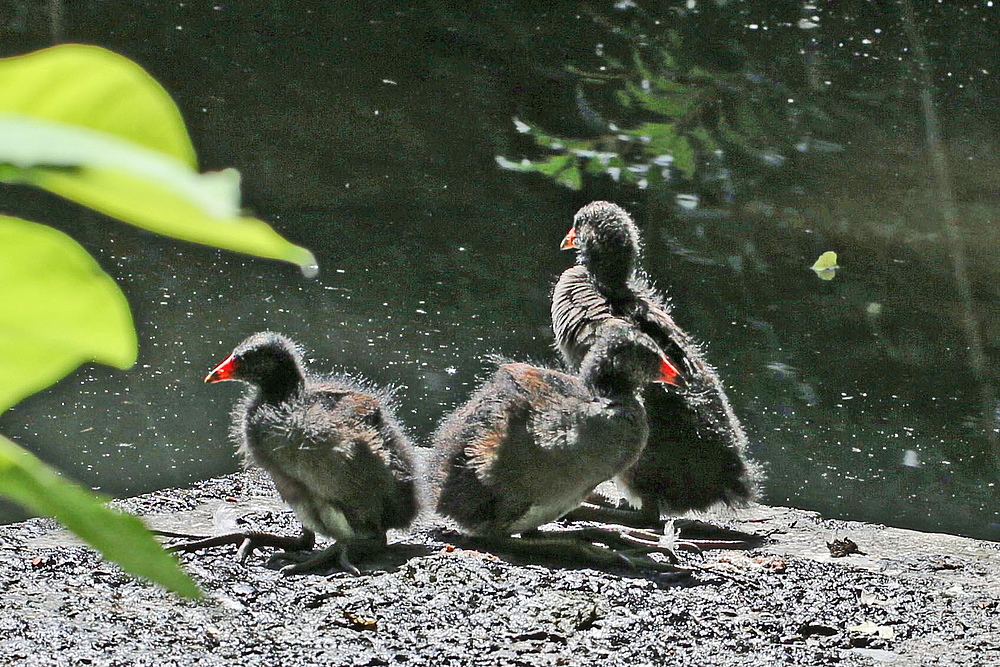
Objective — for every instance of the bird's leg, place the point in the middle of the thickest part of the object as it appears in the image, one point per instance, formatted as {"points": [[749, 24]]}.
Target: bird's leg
{"points": [[674, 536], [625, 538], [333, 558], [694, 533], [710, 536], [248, 542], [572, 549], [597, 509]]}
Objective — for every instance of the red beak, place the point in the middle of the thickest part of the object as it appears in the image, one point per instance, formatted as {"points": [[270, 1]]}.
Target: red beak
{"points": [[669, 374], [223, 371], [569, 241]]}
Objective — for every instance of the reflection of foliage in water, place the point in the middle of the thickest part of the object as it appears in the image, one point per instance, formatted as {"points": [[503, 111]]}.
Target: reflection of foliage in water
{"points": [[672, 118]]}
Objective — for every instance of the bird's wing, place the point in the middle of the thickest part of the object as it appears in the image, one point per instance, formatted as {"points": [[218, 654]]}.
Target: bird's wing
{"points": [[654, 320], [495, 422], [578, 308]]}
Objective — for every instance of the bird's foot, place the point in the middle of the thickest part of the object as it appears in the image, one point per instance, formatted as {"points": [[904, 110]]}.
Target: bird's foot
{"points": [[709, 536], [684, 534], [332, 559], [247, 542], [633, 540]]}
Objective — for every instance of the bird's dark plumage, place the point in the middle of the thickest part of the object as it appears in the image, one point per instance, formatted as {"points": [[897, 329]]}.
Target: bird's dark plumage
{"points": [[696, 455], [331, 444], [532, 443]]}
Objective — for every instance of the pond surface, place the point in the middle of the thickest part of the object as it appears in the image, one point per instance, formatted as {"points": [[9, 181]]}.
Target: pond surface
{"points": [[372, 138]]}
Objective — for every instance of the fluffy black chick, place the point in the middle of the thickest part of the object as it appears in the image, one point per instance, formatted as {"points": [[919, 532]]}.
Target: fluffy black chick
{"points": [[332, 447], [696, 454]]}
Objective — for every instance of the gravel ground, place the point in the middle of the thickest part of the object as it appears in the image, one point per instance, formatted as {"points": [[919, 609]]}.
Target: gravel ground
{"points": [[910, 599]]}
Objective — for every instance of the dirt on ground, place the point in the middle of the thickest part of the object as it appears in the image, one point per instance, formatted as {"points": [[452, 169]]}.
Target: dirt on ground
{"points": [[908, 598]]}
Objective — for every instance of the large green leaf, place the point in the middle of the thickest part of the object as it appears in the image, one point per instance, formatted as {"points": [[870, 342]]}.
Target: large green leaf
{"points": [[57, 310], [91, 87], [148, 204], [119, 537], [29, 142], [92, 126]]}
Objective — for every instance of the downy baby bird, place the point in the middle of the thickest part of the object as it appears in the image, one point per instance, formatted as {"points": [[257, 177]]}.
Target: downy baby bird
{"points": [[532, 443], [332, 447], [696, 455]]}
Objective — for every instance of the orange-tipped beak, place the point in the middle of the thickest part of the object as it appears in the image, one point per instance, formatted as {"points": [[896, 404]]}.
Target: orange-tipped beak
{"points": [[223, 371], [569, 241], [669, 374]]}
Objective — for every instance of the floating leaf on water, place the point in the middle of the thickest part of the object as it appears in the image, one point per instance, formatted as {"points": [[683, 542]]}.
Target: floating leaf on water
{"points": [[826, 266]]}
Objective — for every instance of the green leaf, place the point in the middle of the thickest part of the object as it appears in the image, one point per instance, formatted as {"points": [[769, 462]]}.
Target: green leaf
{"points": [[640, 66], [148, 204], [669, 99], [512, 165], [57, 310], [683, 156], [119, 537], [551, 166], [701, 137], [93, 127], [594, 165], [733, 136], [91, 87], [826, 266], [656, 137], [30, 142], [571, 178], [562, 168]]}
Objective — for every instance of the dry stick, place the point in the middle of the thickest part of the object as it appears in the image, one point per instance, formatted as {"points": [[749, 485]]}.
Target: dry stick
{"points": [[953, 232]]}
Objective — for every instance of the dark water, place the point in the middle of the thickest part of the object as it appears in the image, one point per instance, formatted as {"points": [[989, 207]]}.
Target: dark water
{"points": [[370, 136]]}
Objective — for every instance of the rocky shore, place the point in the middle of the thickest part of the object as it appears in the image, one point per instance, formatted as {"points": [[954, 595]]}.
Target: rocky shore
{"points": [[907, 598]]}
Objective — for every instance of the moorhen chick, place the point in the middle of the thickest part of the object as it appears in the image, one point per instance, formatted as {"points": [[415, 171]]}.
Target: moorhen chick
{"points": [[332, 446], [532, 443], [696, 454]]}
